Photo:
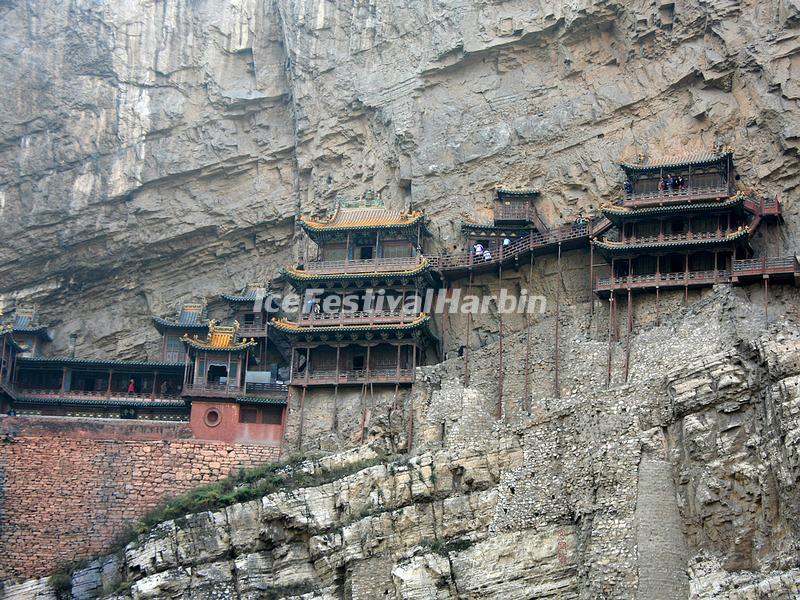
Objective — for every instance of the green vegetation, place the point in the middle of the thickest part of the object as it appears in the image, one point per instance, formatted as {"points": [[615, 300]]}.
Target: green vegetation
{"points": [[245, 486], [61, 582]]}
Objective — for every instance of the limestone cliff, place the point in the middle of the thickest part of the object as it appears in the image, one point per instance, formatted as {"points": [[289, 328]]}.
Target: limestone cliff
{"points": [[154, 152], [678, 484]]}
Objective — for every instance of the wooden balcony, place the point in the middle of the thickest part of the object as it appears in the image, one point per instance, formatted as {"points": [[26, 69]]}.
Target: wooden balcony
{"points": [[94, 397], [369, 265], [253, 330], [780, 267], [605, 285], [763, 207], [667, 197], [223, 390], [786, 268], [512, 213], [353, 377], [373, 317], [677, 238]]}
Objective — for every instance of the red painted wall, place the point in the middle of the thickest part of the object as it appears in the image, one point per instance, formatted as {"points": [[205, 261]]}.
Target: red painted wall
{"points": [[228, 428]]}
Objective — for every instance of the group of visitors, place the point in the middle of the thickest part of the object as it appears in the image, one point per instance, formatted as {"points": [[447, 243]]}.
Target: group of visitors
{"points": [[667, 183], [670, 183], [481, 251]]}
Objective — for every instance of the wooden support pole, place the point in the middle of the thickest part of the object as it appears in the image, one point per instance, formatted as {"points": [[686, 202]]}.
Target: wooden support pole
{"points": [[110, 378], [500, 348], [610, 335], [591, 277], [302, 416], [766, 301], [466, 341], [527, 401], [628, 337], [557, 380]]}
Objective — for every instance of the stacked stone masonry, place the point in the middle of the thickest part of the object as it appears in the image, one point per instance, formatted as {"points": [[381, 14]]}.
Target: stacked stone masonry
{"points": [[69, 488]]}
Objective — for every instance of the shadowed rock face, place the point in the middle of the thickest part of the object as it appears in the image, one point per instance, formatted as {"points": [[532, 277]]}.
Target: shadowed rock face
{"points": [[157, 151]]}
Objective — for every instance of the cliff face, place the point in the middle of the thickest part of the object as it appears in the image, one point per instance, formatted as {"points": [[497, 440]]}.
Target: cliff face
{"points": [[155, 152], [680, 483]]}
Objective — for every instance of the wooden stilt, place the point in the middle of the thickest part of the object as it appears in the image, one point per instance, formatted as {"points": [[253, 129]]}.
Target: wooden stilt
{"points": [[628, 338], [302, 417], [527, 400], [591, 278], [557, 381], [500, 350], [610, 336], [466, 341], [766, 301]]}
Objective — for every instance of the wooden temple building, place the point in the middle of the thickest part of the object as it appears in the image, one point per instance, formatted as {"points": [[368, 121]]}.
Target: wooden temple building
{"points": [[513, 218], [682, 224], [360, 323], [202, 377]]}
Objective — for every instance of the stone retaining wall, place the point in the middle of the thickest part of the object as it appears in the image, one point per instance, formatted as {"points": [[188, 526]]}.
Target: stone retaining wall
{"points": [[68, 488]]}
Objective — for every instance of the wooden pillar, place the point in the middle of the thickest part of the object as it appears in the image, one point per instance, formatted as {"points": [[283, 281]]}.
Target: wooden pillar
{"points": [[591, 277], [308, 365], [110, 378], [466, 341], [63, 378], [610, 335], [527, 400], [686, 280], [557, 378], [155, 381], [302, 416], [628, 336], [500, 345], [347, 248]]}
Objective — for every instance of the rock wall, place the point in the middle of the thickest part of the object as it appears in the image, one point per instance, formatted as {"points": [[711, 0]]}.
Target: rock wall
{"points": [[70, 487], [677, 483], [158, 152]]}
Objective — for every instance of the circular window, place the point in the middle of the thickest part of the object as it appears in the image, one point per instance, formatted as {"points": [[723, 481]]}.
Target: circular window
{"points": [[212, 417]]}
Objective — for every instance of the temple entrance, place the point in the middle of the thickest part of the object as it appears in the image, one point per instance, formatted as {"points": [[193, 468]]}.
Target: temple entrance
{"points": [[217, 374], [365, 252]]}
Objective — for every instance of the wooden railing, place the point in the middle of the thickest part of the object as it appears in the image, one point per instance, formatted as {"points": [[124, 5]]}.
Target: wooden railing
{"points": [[678, 237], [763, 206], [659, 197], [504, 212], [537, 240], [766, 265], [255, 389], [331, 376], [368, 265], [213, 390], [253, 330], [225, 390], [369, 317], [50, 394], [662, 279]]}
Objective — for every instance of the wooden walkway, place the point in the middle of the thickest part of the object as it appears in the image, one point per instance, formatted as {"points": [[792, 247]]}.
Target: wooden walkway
{"points": [[567, 237]]}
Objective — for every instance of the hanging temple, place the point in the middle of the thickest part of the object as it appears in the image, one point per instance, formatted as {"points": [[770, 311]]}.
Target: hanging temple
{"points": [[678, 224]]}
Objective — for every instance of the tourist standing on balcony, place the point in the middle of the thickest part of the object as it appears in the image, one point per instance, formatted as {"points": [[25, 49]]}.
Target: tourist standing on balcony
{"points": [[506, 243], [670, 182], [478, 248], [131, 387], [487, 256], [662, 184], [628, 186]]}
